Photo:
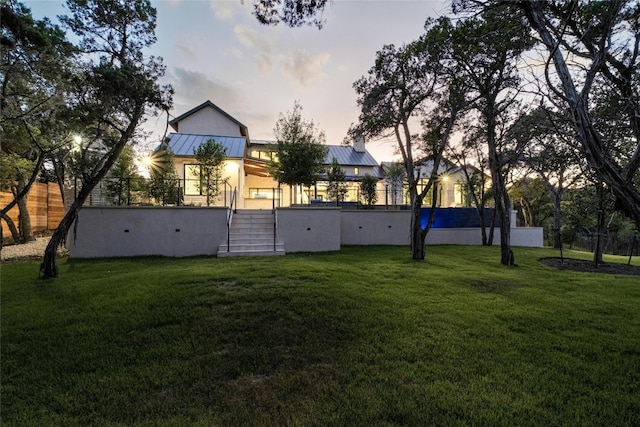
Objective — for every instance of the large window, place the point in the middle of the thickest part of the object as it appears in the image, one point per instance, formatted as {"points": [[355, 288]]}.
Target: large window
{"points": [[192, 179]]}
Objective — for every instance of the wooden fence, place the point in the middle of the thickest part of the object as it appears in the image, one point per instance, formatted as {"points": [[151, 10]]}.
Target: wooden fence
{"points": [[45, 207]]}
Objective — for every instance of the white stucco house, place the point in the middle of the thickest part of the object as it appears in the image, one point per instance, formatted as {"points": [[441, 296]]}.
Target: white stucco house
{"points": [[245, 166]]}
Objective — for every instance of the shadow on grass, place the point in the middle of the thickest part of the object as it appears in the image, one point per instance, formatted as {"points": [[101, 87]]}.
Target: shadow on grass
{"points": [[220, 350]]}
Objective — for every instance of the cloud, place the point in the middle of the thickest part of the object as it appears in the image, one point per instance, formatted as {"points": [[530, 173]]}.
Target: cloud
{"points": [[193, 88], [305, 68], [223, 10], [264, 46], [187, 50], [252, 38], [235, 52]]}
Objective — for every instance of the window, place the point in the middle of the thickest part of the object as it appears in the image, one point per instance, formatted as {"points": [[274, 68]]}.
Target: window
{"points": [[265, 193], [262, 155], [356, 171], [192, 180], [460, 193]]}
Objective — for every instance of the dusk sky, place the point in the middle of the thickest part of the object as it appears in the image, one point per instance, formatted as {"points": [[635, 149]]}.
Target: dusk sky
{"points": [[216, 50]]}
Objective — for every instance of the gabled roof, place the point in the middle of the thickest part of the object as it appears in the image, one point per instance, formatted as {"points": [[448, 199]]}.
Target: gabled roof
{"points": [[174, 123], [183, 144]]}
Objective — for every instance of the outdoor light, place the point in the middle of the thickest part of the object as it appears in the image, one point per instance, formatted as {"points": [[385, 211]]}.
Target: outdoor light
{"points": [[77, 141]]}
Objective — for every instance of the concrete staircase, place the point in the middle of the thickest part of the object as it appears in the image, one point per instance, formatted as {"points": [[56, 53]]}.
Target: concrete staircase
{"points": [[251, 234]]}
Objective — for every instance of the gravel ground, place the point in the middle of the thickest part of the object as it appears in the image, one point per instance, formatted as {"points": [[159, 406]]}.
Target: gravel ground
{"points": [[31, 250]]}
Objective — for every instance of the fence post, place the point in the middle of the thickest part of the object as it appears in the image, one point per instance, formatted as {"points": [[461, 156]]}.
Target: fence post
{"points": [[386, 197]]}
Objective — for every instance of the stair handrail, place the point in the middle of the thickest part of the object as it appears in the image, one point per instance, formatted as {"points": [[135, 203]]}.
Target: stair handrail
{"points": [[232, 210], [274, 212]]}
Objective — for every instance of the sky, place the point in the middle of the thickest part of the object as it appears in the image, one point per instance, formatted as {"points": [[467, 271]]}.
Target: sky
{"points": [[216, 50]]}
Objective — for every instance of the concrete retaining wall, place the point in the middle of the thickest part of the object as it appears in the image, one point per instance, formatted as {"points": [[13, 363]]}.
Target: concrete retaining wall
{"points": [[137, 231], [309, 229], [392, 228], [189, 231], [371, 227]]}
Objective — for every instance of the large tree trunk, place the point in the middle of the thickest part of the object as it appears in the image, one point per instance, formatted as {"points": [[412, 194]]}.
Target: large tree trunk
{"points": [[24, 221], [15, 234], [49, 268], [628, 197], [501, 197], [417, 241], [557, 220]]}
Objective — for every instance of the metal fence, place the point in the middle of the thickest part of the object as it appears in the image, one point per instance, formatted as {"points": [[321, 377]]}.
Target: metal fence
{"points": [[154, 192]]}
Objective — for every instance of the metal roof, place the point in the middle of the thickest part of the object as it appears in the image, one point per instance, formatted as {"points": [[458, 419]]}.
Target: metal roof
{"points": [[347, 156], [183, 144]]}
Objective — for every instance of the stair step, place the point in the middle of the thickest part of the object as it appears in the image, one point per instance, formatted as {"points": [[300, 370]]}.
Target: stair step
{"points": [[250, 253]]}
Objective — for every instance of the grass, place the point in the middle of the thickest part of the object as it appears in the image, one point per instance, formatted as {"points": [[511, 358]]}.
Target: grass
{"points": [[360, 337]]}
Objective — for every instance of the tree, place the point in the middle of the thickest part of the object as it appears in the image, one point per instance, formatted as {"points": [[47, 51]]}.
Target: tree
{"points": [[300, 150], [368, 190], [209, 163], [336, 182], [487, 49], [414, 80], [534, 200], [552, 153], [115, 88], [123, 179], [293, 13], [471, 150], [394, 177], [34, 74], [605, 36], [163, 179]]}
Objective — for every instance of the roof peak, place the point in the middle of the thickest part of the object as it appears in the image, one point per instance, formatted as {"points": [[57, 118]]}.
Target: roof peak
{"points": [[174, 123]]}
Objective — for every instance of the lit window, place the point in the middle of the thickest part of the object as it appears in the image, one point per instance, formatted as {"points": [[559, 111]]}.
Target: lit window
{"points": [[356, 171]]}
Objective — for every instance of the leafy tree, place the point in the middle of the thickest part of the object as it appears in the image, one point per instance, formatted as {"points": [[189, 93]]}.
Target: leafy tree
{"points": [[605, 36], [394, 177], [466, 154], [163, 179], [414, 80], [116, 86], [368, 190], [531, 195], [300, 150], [336, 181], [293, 13], [553, 155], [123, 179], [487, 48], [34, 77], [209, 163]]}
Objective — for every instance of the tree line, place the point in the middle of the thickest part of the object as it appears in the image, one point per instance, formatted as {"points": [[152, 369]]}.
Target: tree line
{"points": [[549, 88]]}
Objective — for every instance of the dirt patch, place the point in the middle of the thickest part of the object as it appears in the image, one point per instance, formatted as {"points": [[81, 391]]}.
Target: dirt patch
{"points": [[587, 266]]}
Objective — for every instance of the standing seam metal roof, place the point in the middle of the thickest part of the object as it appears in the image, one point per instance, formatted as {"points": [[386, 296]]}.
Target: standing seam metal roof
{"points": [[347, 156], [183, 144]]}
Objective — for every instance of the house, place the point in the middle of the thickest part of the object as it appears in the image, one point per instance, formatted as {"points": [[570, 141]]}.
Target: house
{"points": [[245, 169], [453, 187]]}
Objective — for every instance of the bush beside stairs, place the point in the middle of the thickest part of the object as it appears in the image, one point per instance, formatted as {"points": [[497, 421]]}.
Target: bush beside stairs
{"points": [[251, 234]]}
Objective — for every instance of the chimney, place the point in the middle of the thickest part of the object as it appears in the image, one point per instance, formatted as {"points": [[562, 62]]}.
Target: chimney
{"points": [[358, 144]]}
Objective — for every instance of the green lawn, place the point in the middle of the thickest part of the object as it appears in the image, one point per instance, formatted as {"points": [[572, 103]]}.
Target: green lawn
{"points": [[361, 337]]}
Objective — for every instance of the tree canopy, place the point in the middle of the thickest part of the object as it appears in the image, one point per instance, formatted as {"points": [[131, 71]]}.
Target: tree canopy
{"points": [[300, 150]]}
